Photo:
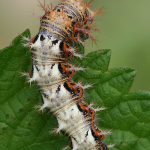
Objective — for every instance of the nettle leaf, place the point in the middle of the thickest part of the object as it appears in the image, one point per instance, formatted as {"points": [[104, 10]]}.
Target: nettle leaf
{"points": [[22, 127]]}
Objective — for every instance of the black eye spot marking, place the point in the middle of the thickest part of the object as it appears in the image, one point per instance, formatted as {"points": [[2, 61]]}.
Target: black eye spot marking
{"points": [[42, 38], [54, 42]]}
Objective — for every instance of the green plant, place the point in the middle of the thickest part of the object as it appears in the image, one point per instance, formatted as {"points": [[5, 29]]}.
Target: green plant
{"points": [[21, 127]]}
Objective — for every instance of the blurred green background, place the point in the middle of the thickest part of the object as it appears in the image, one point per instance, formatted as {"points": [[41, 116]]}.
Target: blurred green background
{"points": [[124, 27]]}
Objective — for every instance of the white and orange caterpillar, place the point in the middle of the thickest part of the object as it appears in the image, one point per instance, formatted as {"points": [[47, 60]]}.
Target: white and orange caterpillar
{"points": [[60, 28]]}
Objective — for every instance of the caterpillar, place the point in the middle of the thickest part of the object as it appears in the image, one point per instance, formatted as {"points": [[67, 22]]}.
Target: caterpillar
{"points": [[60, 27]]}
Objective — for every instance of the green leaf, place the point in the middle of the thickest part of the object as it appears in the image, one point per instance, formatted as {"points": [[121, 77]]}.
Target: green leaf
{"points": [[22, 128]]}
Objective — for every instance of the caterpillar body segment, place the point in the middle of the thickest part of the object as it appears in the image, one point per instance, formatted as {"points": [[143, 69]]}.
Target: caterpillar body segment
{"points": [[51, 48]]}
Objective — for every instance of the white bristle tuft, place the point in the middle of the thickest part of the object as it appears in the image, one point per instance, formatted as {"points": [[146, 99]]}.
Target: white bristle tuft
{"points": [[37, 106], [55, 131], [98, 109], [105, 133], [79, 84], [71, 49], [111, 145], [78, 69], [31, 79], [91, 104], [26, 38], [65, 148], [86, 86], [26, 45], [78, 55], [42, 107], [24, 74]]}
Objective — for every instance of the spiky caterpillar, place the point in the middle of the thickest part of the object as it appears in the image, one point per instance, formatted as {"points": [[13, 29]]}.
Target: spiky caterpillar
{"points": [[51, 48]]}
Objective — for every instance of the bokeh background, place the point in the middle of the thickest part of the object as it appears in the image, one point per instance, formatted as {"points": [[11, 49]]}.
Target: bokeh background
{"points": [[124, 27]]}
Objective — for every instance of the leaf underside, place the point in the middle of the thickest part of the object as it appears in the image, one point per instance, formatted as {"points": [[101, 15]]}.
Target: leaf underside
{"points": [[22, 127]]}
